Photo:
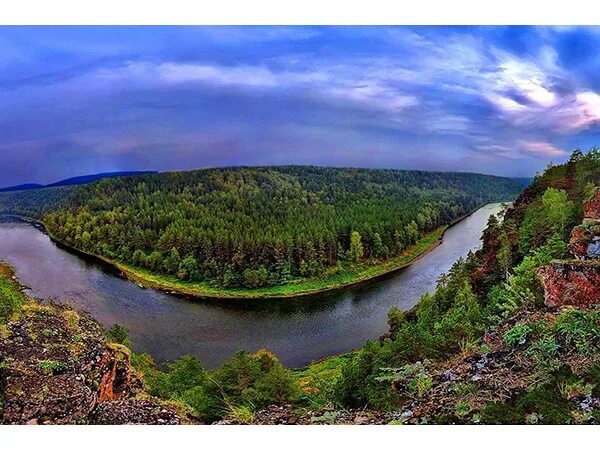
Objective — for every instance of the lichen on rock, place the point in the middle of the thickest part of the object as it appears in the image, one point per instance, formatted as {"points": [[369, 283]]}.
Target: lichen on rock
{"points": [[57, 368], [574, 283]]}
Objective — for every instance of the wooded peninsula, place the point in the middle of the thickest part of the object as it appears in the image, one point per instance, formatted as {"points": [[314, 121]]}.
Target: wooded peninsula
{"points": [[259, 232]]}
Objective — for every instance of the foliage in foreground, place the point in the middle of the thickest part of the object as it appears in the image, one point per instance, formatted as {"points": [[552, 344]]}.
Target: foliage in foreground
{"points": [[247, 382]]}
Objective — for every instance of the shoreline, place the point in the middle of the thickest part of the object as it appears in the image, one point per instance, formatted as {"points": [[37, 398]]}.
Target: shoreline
{"points": [[145, 279]]}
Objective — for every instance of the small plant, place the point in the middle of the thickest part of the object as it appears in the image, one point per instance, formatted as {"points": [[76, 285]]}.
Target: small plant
{"points": [[517, 335], [72, 319], [579, 329], [462, 409], [574, 389], [544, 352], [117, 334], [241, 414], [412, 378], [327, 417], [47, 332], [464, 389], [51, 367], [396, 422]]}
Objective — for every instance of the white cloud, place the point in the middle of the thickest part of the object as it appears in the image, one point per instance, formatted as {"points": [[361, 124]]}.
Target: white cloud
{"points": [[238, 75], [543, 149]]}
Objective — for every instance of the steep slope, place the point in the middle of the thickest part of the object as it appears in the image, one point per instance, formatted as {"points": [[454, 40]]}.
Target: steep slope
{"points": [[56, 367]]}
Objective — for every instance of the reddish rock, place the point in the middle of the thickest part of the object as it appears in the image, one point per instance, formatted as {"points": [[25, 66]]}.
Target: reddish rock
{"points": [[574, 283], [578, 244], [57, 368], [591, 207], [117, 382]]}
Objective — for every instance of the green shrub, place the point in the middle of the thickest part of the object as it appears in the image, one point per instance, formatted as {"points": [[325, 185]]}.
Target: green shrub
{"points": [[412, 379], [51, 367], [118, 334], [517, 335], [579, 329], [544, 351], [256, 380]]}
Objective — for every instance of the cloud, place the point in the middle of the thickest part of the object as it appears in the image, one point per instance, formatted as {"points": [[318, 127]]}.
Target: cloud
{"points": [[488, 99], [543, 149], [224, 76]]}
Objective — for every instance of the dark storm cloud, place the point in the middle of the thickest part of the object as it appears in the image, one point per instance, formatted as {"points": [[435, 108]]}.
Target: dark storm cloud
{"points": [[494, 100]]}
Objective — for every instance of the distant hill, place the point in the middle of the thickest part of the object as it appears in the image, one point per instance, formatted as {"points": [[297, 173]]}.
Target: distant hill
{"points": [[258, 227], [84, 179], [522, 181], [22, 187]]}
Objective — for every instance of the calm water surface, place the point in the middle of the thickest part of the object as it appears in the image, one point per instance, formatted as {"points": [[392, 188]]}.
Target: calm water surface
{"points": [[166, 326]]}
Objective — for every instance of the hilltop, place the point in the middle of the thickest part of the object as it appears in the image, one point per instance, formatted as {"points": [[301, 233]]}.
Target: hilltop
{"points": [[84, 179], [259, 231]]}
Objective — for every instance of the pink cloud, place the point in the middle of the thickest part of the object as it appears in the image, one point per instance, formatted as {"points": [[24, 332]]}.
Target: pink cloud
{"points": [[544, 149]]}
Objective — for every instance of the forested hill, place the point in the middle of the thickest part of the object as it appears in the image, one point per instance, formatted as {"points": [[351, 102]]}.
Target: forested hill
{"points": [[255, 227], [74, 180]]}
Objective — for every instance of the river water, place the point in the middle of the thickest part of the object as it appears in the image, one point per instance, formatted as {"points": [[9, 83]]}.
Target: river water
{"points": [[166, 326]]}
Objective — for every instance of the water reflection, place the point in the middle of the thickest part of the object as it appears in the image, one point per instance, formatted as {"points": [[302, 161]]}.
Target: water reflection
{"points": [[297, 330]]}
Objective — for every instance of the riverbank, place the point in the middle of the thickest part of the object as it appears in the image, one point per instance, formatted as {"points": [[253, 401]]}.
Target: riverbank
{"points": [[298, 330], [350, 276], [330, 282]]}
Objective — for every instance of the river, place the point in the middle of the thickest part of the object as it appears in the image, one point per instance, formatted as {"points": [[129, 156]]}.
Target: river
{"points": [[166, 326]]}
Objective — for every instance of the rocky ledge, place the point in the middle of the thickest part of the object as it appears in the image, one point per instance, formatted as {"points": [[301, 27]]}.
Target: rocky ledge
{"points": [[574, 283], [57, 368], [577, 282]]}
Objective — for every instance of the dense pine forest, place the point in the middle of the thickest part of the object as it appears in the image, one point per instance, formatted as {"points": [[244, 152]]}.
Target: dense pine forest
{"points": [[256, 227], [485, 347]]}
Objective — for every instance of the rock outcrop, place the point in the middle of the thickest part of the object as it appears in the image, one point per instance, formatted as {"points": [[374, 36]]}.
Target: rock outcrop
{"points": [[574, 283], [577, 282], [591, 208], [57, 368]]}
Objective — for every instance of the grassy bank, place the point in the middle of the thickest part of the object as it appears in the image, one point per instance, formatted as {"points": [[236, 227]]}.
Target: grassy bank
{"points": [[11, 296], [329, 281]]}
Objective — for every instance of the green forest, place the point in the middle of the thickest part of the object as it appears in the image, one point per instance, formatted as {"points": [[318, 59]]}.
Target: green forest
{"points": [[258, 227], [483, 348]]}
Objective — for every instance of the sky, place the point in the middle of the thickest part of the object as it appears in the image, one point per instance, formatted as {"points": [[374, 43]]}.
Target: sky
{"points": [[498, 100]]}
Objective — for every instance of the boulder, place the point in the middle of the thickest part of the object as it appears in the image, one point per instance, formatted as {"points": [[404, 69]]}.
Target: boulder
{"points": [[57, 368], [591, 207], [574, 283]]}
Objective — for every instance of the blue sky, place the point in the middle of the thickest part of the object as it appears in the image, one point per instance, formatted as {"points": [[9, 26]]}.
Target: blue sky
{"points": [[500, 100]]}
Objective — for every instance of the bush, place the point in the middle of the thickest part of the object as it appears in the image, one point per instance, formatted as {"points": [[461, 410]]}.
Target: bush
{"points": [[543, 352], [254, 278], [117, 334], [256, 380], [411, 379], [579, 329], [517, 335]]}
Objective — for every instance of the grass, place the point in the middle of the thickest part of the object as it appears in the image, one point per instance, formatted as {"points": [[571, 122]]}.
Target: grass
{"points": [[317, 380], [352, 274], [11, 297]]}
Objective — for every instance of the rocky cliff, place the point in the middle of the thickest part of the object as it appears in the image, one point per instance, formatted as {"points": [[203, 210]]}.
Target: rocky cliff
{"points": [[57, 368], [577, 282]]}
